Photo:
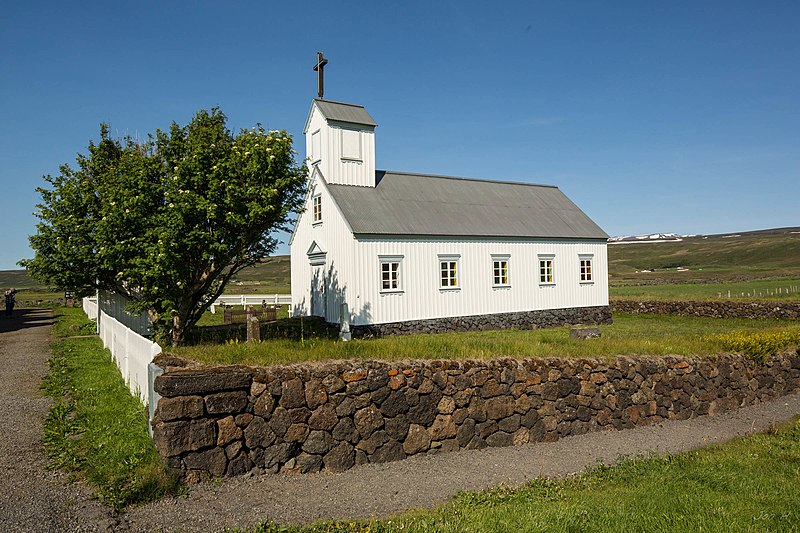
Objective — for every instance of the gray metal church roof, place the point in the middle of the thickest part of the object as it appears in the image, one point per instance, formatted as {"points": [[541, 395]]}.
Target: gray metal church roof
{"points": [[419, 204], [342, 112]]}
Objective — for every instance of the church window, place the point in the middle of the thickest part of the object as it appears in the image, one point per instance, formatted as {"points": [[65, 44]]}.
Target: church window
{"points": [[448, 272], [390, 273], [317, 209], [586, 268], [500, 271], [316, 153], [546, 276], [351, 145]]}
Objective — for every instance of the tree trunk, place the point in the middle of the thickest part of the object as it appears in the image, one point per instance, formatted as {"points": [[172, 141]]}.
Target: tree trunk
{"points": [[178, 329]]}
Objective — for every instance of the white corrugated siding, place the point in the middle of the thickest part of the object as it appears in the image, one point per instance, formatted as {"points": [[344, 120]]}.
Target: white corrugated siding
{"points": [[422, 298], [333, 167], [334, 237]]}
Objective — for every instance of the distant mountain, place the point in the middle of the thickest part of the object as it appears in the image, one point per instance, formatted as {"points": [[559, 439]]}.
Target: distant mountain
{"points": [[736, 256], [649, 237]]}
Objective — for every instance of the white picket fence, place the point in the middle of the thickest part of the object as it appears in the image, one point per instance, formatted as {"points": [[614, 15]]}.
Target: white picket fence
{"points": [[90, 307], [251, 299], [131, 352]]}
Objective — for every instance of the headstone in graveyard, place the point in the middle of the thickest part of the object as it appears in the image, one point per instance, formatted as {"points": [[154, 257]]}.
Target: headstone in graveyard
{"points": [[253, 329], [584, 333]]}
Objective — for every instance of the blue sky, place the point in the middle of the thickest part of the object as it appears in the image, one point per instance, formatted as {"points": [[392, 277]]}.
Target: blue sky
{"points": [[651, 116]]}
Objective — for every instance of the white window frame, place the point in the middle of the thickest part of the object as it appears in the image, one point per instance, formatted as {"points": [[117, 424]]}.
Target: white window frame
{"points": [[497, 266], [586, 276], [316, 214], [359, 149], [388, 261], [542, 264], [316, 147], [454, 267]]}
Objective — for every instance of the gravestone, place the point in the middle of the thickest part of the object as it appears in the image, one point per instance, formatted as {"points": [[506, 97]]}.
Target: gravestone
{"points": [[584, 333], [253, 329], [344, 326]]}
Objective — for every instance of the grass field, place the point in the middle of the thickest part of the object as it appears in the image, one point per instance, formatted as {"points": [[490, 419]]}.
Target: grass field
{"points": [[769, 289], [631, 334], [95, 429], [749, 484]]}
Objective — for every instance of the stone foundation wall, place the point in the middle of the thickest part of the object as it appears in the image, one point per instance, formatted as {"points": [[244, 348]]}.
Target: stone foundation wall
{"points": [[712, 308], [225, 421], [519, 320]]}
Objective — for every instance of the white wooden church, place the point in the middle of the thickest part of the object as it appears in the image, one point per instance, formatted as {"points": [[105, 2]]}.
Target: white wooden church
{"points": [[412, 252]]}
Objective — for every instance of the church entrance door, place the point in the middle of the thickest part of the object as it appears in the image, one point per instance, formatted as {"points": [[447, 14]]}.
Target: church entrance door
{"points": [[318, 296]]}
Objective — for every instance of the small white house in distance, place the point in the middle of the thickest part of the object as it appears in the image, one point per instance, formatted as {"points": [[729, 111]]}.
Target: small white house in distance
{"points": [[419, 253]]}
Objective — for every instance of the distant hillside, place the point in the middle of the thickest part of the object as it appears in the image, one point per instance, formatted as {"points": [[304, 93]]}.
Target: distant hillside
{"points": [[272, 276], [20, 280], [705, 258]]}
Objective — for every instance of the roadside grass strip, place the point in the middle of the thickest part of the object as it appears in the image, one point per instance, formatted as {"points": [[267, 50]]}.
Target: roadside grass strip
{"points": [[630, 335], [748, 484], [96, 430]]}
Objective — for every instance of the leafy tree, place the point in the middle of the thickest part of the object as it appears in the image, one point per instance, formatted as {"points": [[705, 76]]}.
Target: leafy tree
{"points": [[167, 222]]}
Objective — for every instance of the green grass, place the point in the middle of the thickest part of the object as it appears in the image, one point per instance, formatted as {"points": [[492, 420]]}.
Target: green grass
{"points": [[748, 484], [772, 289], [71, 323], [96, 430], [631, 334]]}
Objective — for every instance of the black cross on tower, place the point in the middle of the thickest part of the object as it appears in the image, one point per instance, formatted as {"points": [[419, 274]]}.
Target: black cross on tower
{"points": [[321, 62]]}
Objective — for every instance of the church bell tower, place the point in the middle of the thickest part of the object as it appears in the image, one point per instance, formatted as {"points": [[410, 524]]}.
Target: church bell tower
{"points": [[340, 138]]}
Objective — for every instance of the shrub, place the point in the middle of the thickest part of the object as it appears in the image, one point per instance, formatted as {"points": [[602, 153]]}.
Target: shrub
{"points": [[759, 345]]}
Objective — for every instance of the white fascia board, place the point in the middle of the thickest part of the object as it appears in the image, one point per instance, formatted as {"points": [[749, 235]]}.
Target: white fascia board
{"points": [[315, 170], [308, 118]]}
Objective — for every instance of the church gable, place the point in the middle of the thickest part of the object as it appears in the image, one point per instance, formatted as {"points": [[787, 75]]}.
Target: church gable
{"points": [[340, 141]]}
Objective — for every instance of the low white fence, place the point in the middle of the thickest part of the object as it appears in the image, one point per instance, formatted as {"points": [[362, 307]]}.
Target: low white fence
{"points": [[131, 352], [90, 307], [251, 299]]}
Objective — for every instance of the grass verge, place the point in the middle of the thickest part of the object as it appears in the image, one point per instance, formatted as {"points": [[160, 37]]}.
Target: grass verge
{"points": [[630, 334], [96, 430], [748, 484]]}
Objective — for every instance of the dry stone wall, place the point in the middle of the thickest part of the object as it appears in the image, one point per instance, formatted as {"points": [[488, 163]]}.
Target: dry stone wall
{"points": [[712, 308], [225, 421], [546, 318]]}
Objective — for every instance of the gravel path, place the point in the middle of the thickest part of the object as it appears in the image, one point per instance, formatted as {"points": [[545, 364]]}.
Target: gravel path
{"points": [[31, 497], [34, 500]]}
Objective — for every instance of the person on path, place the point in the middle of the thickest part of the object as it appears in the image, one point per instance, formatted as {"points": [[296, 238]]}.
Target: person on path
{"points": [[10, 301]]}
